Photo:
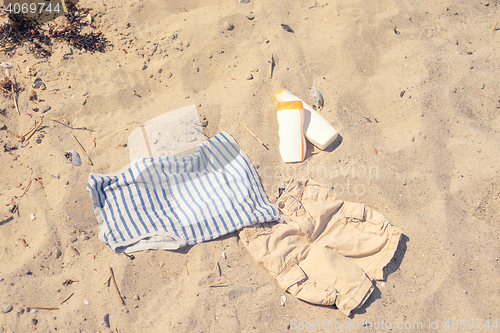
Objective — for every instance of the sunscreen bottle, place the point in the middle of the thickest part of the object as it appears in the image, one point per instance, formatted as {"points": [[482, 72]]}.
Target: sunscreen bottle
{"points": [[316, 129], [292, 141]]}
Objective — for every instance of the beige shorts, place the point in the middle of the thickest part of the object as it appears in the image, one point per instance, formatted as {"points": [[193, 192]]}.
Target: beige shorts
{"points": [[327, 251]]}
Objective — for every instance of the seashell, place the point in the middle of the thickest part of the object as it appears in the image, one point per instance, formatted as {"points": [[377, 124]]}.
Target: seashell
{"points": [[74, 157], [318, 99], [7, 64]]}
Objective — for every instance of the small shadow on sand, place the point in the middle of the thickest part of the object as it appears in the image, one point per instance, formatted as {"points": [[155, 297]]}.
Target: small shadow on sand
{"points": [[7, 220], [391, 267], [397, 259], [187, 248], [334, 145]]}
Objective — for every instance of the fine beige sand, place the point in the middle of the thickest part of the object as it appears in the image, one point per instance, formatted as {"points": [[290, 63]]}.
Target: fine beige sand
{"points": [[417, 81]]}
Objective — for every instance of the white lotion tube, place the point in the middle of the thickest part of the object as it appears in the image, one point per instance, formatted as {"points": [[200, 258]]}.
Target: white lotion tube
{"points": [[292, 141], [316, 129]]}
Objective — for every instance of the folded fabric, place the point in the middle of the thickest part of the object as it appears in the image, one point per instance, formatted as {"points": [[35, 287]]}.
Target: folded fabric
{"points": [[328, 250], [169, 202]]}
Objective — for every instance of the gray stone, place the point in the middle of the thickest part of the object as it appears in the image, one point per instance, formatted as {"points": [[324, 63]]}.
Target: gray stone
{"points": [[6, 308], [44, 108], [228, 26], [106, 320], [237, 291]]}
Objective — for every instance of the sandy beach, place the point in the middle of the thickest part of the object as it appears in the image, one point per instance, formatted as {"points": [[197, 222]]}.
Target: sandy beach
{"points": [[411, 87]]}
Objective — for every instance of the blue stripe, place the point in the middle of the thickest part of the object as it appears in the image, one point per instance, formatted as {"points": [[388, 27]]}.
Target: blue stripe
{"points": [[192, 210], [125, 205], [115, 182], [101, 206], [255, 186], [236, 183], [141, 197], [215, 174], [129, 188], [246, 176], [156, 195], [111, 233], [164, 194], [169, 187], [214, 221], [224, 175]]}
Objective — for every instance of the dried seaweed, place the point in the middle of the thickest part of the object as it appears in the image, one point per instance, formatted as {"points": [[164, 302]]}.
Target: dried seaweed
{"points": [[24, 31]]}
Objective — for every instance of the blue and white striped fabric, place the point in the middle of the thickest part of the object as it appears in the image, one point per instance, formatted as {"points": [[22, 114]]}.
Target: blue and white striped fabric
{"points": [[169, 202]]}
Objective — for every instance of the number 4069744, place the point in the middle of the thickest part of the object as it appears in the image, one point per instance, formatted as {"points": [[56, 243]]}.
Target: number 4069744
{"points": [[32, 8]]}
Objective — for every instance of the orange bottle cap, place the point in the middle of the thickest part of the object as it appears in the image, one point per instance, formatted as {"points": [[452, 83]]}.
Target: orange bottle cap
{"points": [[290, 105]]}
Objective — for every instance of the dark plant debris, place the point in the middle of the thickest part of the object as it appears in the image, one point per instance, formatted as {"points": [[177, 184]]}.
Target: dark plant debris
{"points": [[287, 28], [37, 40]]}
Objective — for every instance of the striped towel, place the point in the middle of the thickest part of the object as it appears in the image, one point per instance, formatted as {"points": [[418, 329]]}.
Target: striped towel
{"points": [[169, 202]]}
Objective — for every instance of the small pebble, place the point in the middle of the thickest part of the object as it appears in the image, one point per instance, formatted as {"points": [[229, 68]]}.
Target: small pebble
{"points": [[228, 26], [237, 291], [283, 300], [33, 311], [249, 76], [73, 239], [34, 321], [204, 122], [86, 302], [224, 255], [6, 308], [44, 108], [244, 1], [106, 320], [136, 297], [1, 279], [382, 284], [33, 217]]}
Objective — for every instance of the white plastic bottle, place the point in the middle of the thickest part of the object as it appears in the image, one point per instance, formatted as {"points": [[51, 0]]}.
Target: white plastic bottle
{"points": [[316, 129], [292, 141]]}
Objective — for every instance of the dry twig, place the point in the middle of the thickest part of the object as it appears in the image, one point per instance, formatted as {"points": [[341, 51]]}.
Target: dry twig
{"points": [[75, 250], [14, 95], [64, 300], [61, 117], [43, 307], [27, 188], [217, 267], [116, 287], [83, 149], [28, 135], [216, 284], [255, 136], [271, 61]]}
